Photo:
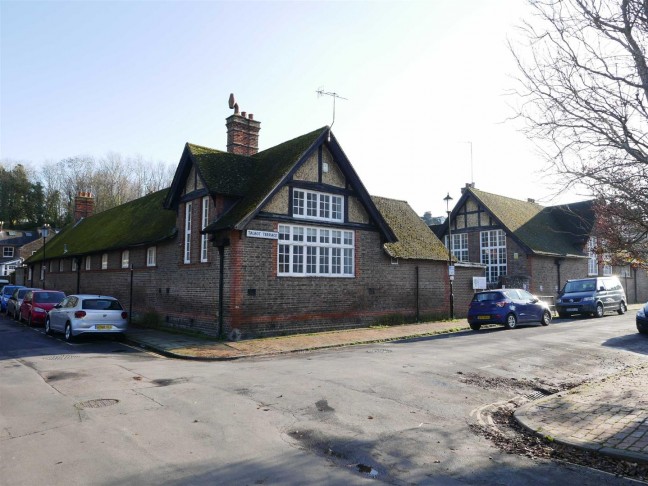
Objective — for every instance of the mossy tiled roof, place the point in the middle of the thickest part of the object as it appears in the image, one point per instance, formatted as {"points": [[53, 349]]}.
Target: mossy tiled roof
{"points": [[415, 240], [223, 172], [138, 222], [544, 230], [257, 176]]}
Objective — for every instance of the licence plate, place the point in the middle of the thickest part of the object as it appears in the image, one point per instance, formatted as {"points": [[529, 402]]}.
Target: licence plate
{"points": [[483, 318], [103, 327], [572, 309]]}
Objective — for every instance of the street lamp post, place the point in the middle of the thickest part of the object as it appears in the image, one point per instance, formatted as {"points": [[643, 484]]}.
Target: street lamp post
{"points": [[451, 276], [44, 232]]}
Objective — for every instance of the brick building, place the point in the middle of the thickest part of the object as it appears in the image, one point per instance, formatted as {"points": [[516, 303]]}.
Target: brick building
{"points": [[251, 243], [524, 244]]}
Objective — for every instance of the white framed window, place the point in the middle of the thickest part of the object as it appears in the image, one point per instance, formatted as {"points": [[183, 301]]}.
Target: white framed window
{"points": [[125, 259], [150, 256], [493, 254], [104, 261], [607, 270], [205, 221], [187, 233], [592, 263], [29, 273], [88, 262], [8, 252], [61, 265], [310, 251], [625, 272], [42, 272], [459, 246], [75, 265], [317, 205]]}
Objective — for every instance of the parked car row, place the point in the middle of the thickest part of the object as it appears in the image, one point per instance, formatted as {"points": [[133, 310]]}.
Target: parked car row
{"points": [[589, 296], [70, 315]]}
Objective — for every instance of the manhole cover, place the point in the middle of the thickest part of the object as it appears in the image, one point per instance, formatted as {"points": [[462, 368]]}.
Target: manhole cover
{"points": [[61, 356], [99, 403]]}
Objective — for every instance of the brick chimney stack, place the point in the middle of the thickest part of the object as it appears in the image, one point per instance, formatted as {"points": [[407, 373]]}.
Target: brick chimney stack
{"points": [[242, 134], [84, 205], [242, 131]]}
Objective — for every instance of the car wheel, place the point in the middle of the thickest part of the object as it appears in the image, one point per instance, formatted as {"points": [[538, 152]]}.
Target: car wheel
{"points": [[475, 327], [511, 321], [68, 333], [622, 308], [599, 310], [546, 318], [48, 329]]}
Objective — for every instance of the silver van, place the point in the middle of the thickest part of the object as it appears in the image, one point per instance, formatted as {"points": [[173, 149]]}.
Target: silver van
{"points": [[594, 296]]}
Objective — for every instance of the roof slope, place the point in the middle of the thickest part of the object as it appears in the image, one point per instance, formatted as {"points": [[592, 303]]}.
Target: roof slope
{"points": [[258, 176], [415, 240], [138, 222], [544, 230]]}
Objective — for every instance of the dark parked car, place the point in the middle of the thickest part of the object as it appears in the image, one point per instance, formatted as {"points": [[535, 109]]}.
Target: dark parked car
{"points": [[37, 303], [5, 293], [507, 307], [593, 296], [14, 302], [642, 319]]}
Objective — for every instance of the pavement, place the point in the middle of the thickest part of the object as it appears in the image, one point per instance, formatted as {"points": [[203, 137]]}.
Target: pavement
{"points": [[608, 417]]}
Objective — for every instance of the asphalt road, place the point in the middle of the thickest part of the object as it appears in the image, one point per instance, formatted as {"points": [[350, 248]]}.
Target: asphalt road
{"points": [[100, 412]]}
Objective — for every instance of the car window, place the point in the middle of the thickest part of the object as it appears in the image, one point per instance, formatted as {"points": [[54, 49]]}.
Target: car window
{"points": [[526, 295], [588, 285], [612, 284], [512, 294], [488, 297], [73, 302], [21, 293], [49, 297], [101, 304]]}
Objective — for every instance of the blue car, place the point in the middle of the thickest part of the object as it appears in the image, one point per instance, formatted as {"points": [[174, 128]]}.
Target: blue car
{"points": [[642, 319], [5, 293], [507, 307]]}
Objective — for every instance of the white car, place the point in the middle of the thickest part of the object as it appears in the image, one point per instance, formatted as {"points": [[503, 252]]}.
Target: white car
{"points": [[83, 314]]}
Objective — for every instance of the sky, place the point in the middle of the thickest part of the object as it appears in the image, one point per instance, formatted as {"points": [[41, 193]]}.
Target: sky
{"points": [[423, 83]]}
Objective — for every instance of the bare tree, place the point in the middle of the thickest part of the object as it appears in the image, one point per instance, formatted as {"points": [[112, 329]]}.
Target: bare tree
{"points": [[112, 179], [584, 97]]}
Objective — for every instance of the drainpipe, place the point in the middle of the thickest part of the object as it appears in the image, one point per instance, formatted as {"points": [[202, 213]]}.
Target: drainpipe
{"points": [[418, 319], [221, 244], [130, 299], [78, 289], [558, 261]]}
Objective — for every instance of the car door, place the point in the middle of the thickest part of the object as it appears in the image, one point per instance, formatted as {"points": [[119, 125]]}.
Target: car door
{"points": [[56, 314], [533, 306], [25, 307], [518, 303]]}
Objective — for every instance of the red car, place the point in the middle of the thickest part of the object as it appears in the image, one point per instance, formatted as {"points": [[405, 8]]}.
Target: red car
{"points": [[36, 305]]}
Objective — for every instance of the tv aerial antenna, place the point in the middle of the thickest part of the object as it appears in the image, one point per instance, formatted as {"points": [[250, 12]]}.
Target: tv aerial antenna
{"points": [[334, 95]]}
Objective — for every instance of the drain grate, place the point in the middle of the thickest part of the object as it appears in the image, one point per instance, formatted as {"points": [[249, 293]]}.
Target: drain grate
{"points": [[537, 395], [61, 356], [98, 403]]}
